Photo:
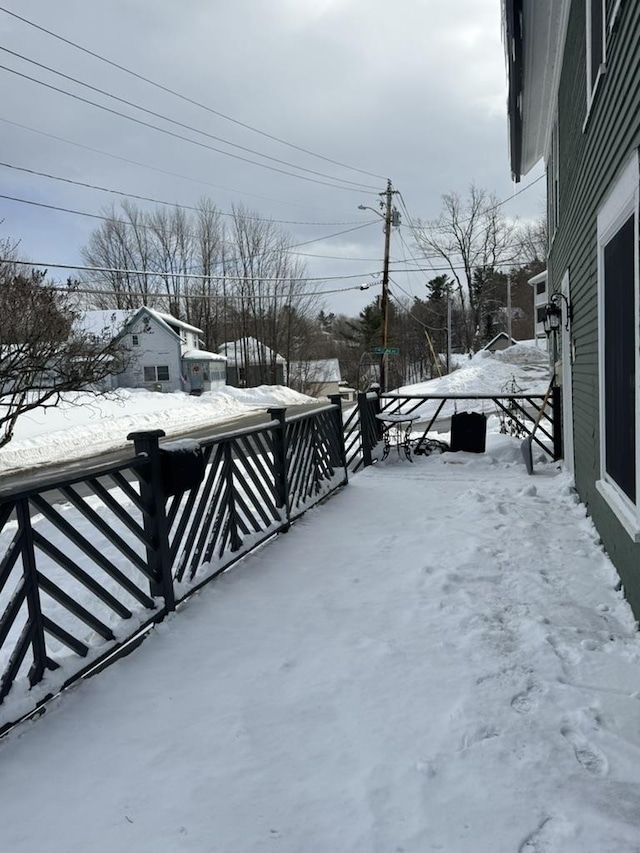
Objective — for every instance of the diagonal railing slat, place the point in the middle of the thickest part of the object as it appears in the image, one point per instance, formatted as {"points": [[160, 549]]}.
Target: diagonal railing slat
{"points": [[92, 552], [74, 551], [107, 530], [74, 607], [65, 637], [82, 577]]}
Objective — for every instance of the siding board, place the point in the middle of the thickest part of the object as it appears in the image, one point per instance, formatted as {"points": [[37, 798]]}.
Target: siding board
{"points": [[590, 156]]}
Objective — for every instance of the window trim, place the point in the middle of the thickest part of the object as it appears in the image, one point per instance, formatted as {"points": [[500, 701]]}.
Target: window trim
{"points": [[553, 183], [135, 339], [593, 86], [613, 18], [155, 368], [621, 202]]}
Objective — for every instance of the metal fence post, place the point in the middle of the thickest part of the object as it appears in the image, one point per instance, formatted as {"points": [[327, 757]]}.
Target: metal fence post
{"points": [[558, 444], [365, 429], [155, 516], [280, 462], [339, 447]]}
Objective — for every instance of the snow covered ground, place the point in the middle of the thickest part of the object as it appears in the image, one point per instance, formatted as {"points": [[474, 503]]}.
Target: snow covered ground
{"points": [[519, 369], [86, 424], [436, 659]]}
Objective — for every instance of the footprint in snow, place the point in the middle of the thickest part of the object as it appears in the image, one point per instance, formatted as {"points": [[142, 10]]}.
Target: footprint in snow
{"points": [[587, 755], [549, 836], [527, 701], [471, 738]]}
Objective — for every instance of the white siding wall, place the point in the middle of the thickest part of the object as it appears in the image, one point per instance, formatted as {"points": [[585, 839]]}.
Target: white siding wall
{"points": [[157, 347]]}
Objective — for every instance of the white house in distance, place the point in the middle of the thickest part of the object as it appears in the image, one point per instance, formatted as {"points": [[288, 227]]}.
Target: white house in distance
{"points": [[320, 378], [251, 363], [540, 299], [165, 351]]}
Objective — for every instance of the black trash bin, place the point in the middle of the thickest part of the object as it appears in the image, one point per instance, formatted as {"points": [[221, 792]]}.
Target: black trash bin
{"points": [[469, 432]]}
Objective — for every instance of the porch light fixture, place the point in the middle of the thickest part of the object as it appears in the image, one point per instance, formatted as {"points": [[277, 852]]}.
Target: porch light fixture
{"points": [[552, 319]]}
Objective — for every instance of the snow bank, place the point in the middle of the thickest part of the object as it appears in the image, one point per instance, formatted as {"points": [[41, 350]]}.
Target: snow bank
{"points": [[492, 373], [84, 424]]}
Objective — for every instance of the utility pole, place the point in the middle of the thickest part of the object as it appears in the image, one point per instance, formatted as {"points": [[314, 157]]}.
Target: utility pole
{"points": [[384, 302], [448, 329], [509, 306], [390, 217]]}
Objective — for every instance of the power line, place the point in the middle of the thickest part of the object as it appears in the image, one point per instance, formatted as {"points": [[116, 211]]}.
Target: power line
{"points": [[124, 194], [486, 210], [137, 163], [147, 227], [181, 123], [179, 136], [186, 98], [181, 275]]}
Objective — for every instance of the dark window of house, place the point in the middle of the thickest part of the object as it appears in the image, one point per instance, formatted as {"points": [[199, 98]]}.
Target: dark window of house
{"points": [[540, 312], [541, 286], [619, 359], [156, 374], [135, 340]]}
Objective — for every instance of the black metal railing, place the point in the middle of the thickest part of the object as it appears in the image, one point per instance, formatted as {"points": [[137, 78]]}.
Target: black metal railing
{"points": [[89, 562], [518, 414], [362, 431]]}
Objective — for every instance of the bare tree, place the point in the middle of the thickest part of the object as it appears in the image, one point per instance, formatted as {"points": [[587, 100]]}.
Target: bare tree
{"points": [[44, 350], [532, 240], [233, 282], [470, 234]]}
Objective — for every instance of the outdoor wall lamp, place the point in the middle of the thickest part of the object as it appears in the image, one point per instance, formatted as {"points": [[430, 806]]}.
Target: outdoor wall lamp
{"points": [[553, 313]]}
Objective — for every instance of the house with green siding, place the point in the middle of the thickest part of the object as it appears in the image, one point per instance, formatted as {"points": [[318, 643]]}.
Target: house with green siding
{"points": [[574, 102]]}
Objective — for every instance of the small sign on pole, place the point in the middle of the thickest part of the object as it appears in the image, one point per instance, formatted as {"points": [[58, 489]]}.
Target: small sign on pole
{"points": [[386, 350]]}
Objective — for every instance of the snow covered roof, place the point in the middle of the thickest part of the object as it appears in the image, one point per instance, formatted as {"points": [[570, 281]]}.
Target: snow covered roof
{"points": [[110, 322], [248, 350], [170, 320], [202, 355], [499, 337]]}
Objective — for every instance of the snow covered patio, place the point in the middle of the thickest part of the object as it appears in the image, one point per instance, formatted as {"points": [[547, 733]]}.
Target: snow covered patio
{"points": [[435, 659]]}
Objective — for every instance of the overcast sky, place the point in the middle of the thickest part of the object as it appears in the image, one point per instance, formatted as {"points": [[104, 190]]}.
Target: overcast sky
{"points": [[413, 90]]}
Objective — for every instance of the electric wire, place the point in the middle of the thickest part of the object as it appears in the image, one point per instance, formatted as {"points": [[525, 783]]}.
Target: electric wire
{"points": [[181, 275], [148, 227], [181, 124], [186, 98], [179, 136], [137, 163], [464, 220], [124, 194]]}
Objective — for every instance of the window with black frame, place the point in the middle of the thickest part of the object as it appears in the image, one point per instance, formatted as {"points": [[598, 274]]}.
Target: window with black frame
{"points": [[619, 357]]}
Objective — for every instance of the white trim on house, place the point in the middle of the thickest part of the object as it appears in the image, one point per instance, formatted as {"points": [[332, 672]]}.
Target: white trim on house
{"points": [[620, 203], [593, 86], [545, 29], [567, 378]]}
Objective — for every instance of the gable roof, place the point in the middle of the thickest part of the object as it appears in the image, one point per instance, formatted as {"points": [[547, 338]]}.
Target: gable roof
{"points": [[498, 337], [250, 349], [110, 322]]}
